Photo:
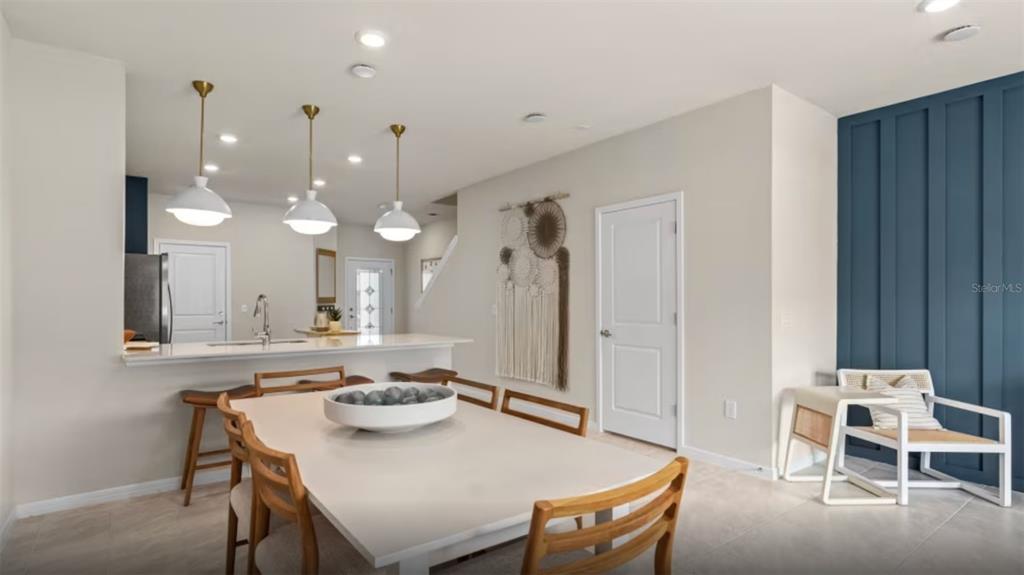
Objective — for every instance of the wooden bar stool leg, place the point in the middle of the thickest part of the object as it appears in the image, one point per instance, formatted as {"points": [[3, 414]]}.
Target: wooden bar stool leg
{"points": [[193, 453], [188, 446]]}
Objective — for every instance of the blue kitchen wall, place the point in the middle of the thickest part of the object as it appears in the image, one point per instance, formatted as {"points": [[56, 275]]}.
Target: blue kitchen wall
{"points": [[931, 254], [136, 214]]}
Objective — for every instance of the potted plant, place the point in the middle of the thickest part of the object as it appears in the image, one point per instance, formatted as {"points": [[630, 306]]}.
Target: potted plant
{"points": [[335, 316]]}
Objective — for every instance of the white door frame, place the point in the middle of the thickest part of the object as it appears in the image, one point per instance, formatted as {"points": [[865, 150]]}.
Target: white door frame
{"points": [[394, 284], [227, 272], [680, 322]]}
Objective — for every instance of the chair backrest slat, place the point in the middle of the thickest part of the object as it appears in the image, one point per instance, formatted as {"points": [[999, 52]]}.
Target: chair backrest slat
{"points": [[302, 385], [655, 521], [582, 412], [233, 422], [493, 390]]}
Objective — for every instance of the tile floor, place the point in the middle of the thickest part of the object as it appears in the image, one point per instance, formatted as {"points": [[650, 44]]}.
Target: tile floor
{"points": [[730, 523]]}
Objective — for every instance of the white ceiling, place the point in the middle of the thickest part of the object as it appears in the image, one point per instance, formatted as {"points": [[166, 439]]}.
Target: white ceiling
{"points": [[461, 75]]}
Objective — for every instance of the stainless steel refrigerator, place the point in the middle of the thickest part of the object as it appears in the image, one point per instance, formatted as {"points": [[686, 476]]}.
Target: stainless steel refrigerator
{"points": [[148, 308]]}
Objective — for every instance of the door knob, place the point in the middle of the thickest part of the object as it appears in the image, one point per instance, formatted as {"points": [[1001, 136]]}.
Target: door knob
{"points": [[221, 322], [605, 333]]}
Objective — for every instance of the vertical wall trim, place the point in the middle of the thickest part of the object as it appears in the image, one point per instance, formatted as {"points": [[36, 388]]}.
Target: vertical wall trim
{"points": [[992, 257], [887, 243], [937, 245], [843, 287]]}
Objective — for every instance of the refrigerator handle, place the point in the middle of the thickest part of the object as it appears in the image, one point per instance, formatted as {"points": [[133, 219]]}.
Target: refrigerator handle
{"points": [[170, 315]]}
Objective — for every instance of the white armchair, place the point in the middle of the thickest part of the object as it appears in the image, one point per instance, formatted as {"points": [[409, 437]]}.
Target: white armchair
{"points": [[905, 440]]}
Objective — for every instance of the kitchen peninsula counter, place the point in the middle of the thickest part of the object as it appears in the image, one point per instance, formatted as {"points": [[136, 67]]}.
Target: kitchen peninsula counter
{"points": [[290, 347]]}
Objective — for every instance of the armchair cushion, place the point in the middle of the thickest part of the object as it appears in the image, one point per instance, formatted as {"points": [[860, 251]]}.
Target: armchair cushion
{"points": [[930, 436], [909, 400]]}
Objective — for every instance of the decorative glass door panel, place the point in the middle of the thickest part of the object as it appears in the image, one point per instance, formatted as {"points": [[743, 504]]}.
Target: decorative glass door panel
{"points": [[369, 295], [368, 285]]}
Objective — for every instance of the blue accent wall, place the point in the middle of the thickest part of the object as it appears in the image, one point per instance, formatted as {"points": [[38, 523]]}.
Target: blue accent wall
{"points": [[136, 214], [931, 254]]}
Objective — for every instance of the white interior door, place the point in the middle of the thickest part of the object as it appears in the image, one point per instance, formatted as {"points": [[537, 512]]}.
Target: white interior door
{"points": [[198, 280], [638, 315], [370, 295]]}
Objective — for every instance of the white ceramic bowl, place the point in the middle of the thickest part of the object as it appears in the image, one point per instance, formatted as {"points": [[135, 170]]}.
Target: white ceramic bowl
{"points": [[389, 418]]}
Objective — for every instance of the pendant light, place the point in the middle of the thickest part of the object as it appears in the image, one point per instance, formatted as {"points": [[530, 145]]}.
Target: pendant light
{"points": [[199, 205], [309, 216], [397, 225]]}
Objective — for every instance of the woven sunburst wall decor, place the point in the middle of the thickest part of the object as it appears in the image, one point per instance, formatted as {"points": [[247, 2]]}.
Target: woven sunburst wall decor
{"points": [[533, 295]]}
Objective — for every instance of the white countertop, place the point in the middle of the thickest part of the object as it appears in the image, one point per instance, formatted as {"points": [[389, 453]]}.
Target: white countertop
{"points": [[192, 352]]}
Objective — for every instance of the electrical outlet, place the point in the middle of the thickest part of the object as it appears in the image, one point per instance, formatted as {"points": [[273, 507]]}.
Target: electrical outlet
{"points": [[245, 308], [730, 408]]}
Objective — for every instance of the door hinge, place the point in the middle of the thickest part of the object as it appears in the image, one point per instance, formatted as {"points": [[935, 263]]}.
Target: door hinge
{"points": [[675, 318], [675, 227], [675, 409]]}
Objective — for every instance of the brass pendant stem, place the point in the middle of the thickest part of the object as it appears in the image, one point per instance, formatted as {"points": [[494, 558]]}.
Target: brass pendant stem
{"points": [[397, 130], [203, 88], [311, 111]]}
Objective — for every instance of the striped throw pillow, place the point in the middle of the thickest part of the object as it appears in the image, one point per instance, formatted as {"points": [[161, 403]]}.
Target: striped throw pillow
{"points": [[908, 400]]}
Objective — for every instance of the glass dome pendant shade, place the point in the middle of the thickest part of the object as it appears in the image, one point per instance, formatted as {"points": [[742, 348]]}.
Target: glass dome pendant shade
{"points": [[199, 205], [397, 225], [309, 216]]}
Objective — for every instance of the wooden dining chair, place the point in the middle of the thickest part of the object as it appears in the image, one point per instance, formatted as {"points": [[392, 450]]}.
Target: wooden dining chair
{"points": [[582, 412], [432, 375], [260, 380], [240, 500], [654, 512], [492, 391], [306, 542]]}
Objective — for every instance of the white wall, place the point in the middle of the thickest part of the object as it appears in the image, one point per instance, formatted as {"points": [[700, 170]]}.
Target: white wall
{"points": [[428, 244], [266, 257], [804, 247], [720, 157], [67, 178], [6, 324]]}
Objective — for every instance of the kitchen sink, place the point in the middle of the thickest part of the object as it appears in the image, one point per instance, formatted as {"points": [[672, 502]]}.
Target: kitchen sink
{"points": [[253, 342]]}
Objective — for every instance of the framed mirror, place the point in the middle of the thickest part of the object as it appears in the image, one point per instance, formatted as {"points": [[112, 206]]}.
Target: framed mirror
{"points": [[325, 276]]}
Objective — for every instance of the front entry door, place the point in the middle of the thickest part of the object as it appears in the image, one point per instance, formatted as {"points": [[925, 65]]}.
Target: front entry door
{"points": [[370, 295], [198, 284], [638, 332]]}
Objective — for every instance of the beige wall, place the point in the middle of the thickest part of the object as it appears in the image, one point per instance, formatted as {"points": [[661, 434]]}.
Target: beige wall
{"points": [[430, 243], [804, 238], [720, 157], [76, 420], [6, 368], [266, 257]]}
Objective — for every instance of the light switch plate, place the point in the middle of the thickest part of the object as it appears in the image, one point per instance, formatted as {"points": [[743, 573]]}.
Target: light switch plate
{"points": [[730, 408]]}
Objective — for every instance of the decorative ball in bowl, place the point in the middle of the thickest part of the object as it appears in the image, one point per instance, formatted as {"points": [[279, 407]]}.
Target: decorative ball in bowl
{"points": [[390, 407]]}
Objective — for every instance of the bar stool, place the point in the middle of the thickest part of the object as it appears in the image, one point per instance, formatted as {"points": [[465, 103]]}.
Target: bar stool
{"points": [[201, 400], [432, 375]]}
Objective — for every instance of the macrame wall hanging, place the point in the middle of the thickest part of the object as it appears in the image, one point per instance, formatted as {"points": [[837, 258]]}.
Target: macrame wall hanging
{"points": [[533, 294]]}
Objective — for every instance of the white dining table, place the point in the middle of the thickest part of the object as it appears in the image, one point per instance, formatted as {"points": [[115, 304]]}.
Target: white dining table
{"points": [[439, 492]]}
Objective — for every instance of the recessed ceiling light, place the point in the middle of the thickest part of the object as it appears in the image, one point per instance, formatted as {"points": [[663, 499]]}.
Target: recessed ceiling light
{"points": [[432, 214], [293, 199], [319, 183], [583, 126], [228, 138], [961, 33], [383, 206], [363, 71], [355, 159], [933, 6], [371, 38], [535, 118], [212, 168]]}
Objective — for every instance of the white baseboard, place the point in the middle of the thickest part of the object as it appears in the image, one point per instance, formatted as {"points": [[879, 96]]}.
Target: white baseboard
{"points": [[114, 494], [728, 462]]}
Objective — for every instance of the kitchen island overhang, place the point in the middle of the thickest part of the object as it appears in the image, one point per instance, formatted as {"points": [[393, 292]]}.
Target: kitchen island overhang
{"points": [[324, 348]]}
